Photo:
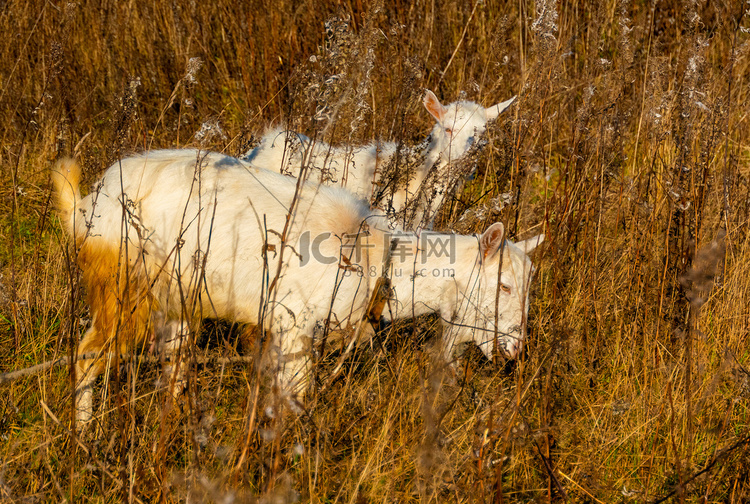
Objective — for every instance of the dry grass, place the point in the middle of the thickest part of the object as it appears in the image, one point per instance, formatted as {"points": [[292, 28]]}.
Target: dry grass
{"points": [[628, 145]]}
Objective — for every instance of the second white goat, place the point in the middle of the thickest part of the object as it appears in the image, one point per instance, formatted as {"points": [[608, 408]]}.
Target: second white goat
{"points": [[409, 182]]}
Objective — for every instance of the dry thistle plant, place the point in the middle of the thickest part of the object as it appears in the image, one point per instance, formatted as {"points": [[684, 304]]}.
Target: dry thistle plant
{"points": [[706, 270]]}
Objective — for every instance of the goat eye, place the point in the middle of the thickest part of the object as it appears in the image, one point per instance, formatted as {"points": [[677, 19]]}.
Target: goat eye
{"points": [[505, 288], [449, 131]]}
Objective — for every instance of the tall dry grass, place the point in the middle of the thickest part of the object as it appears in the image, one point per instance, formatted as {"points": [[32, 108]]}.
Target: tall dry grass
{"points": [[628, 146]]}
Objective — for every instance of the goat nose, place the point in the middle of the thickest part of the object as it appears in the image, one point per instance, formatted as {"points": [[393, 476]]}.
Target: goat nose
{"points": [[513, 347]]}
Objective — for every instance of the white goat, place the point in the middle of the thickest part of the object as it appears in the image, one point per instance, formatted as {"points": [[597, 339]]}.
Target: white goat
{"points": [[169, 237], [410, 182]]}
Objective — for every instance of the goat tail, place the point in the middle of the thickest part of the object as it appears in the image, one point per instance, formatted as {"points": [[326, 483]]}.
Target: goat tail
{"points": [[66, 178]]}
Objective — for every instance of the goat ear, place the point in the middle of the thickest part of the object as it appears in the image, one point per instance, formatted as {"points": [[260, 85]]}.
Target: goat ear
{"points": [[530, 244], [433, 106], [495, 110], [491, 239]]}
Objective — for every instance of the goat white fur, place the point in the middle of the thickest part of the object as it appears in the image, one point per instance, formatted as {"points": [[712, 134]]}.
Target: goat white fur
{"points": [[366, 170], [169, 237]]}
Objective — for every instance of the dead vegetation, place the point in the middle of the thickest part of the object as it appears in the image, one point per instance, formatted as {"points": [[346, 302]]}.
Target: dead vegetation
{"points": [[628, 146]]}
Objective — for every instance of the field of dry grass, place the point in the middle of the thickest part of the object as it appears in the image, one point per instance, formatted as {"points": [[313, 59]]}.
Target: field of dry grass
{"points": [[628, 146]]}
